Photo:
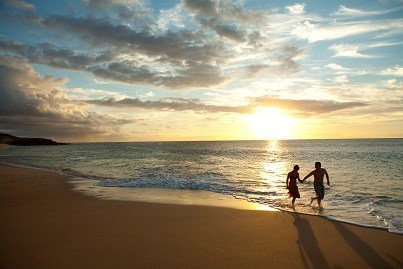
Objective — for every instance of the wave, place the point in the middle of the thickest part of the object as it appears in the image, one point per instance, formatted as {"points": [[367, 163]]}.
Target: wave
{"points": [[207, 182]]}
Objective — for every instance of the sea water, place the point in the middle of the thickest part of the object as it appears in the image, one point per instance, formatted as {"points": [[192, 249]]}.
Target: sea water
{"points": [[365, 174]]}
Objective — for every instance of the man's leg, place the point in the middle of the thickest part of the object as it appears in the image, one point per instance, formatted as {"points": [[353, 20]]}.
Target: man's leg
{"points": [[321, 194], [313, 198]]}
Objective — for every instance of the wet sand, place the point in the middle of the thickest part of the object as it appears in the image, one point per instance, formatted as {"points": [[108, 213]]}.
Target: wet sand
{"points": [[45, 224]]}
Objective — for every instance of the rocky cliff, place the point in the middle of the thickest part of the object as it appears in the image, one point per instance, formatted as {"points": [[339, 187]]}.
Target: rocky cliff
{"points": [[26, 141]]}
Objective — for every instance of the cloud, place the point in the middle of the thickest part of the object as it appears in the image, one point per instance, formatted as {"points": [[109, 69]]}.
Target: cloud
{"points": [[341, 79], [195, 54], [346, 50], [107, 3], [336, 30], [256, 68], [127, 11], [337, 67], [170, 104], [172, 18], [19, 4], [296, 9], [225, 30], [89, 94], [394, 84], [345, 11], [306, 106], [186, 58], [30, 103], [50, 54], [229, 20], [195, 71], [355, 51], [206, 7], [383, 44], [396, 70], [283, 63], [224, 10], [298, 107]]}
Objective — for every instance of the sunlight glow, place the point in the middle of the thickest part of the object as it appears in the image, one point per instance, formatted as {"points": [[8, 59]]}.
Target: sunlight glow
{"points": [[271, 123]]}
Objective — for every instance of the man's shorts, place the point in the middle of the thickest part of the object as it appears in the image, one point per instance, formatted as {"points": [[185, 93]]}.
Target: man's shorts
{"points": [[320, 190]]}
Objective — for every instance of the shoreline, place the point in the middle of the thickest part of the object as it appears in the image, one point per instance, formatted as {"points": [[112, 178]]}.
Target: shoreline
{"points": [[156, 195], [46, 224], [198, 198], [3, 146], [80, 184], [163, 196]]}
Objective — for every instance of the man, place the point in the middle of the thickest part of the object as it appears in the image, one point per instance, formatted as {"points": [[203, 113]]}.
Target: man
{"points": [[318, 175]]}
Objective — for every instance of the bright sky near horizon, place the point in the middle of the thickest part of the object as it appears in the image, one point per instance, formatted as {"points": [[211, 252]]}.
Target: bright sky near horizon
{"points": [[133, 70]]}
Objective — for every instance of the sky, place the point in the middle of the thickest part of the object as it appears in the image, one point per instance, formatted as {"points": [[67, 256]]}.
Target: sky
{"points": [[189, 70]]}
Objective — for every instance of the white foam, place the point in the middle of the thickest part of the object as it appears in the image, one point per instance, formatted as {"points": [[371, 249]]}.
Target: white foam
{"points": [[166, 196]]}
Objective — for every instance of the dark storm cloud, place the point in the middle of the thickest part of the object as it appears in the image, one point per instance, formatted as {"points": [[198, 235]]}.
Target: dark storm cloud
{"points": [[30, 102]]}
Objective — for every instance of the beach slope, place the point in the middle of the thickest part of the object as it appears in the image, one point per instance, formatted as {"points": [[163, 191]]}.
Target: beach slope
{"points": [[44, 224]]}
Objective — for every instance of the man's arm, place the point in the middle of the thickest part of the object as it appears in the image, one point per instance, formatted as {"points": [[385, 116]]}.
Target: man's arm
{"points": [[310, 174], [286, 181], [327, 177]]}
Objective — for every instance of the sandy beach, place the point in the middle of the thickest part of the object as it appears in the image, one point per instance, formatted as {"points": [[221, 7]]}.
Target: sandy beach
{"points": [[45, 224]]}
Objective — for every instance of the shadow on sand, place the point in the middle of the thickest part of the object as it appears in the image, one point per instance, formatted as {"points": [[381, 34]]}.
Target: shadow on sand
{"points": [[373, 259], [308, 245]]}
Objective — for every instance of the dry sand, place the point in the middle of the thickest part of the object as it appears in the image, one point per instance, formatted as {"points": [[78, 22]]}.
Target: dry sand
{"points": [[44, 224]]}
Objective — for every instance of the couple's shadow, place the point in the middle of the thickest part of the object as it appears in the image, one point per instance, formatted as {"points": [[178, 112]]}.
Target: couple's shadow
{"points": [[312, 256], [308, 244]]}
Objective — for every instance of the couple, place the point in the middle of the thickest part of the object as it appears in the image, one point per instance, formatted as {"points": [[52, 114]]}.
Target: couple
{"points": [[318, 175]]}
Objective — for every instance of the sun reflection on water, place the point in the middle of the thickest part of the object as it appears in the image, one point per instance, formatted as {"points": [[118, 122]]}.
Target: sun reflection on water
{"points": [[274, 168]]}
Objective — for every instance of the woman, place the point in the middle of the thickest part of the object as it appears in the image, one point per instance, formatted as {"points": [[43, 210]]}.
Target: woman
{"points": [[291, 183]]}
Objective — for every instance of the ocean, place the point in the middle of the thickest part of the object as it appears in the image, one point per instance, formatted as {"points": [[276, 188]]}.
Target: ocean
{"points": [[365, 174]]}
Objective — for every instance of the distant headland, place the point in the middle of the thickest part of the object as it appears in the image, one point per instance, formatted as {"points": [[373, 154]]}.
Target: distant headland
{"points": [[27, 141]]}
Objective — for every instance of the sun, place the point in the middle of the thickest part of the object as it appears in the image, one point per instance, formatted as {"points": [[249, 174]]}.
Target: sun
{"points": [[271, 123]]}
